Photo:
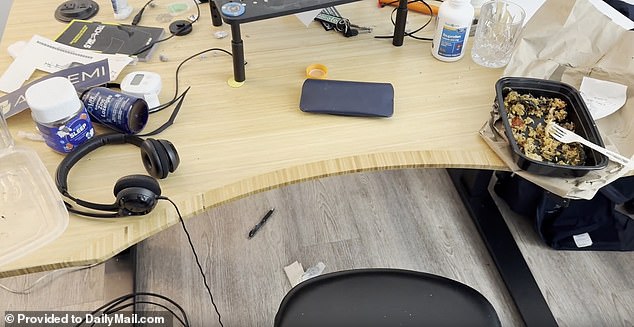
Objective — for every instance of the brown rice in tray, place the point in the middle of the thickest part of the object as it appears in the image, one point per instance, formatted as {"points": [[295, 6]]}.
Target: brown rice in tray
{"points": [[528, 117]]}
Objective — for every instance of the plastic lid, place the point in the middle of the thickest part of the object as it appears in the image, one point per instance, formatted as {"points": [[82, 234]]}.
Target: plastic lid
{"points": [[32, 212], [52, 100]]}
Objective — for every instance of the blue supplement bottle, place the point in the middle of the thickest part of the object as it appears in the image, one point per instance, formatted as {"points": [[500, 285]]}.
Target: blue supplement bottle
{"points": [[59, 115]]}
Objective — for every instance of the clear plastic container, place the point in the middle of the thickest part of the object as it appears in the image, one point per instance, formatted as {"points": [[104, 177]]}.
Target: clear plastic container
{"points": [[32, 212]]}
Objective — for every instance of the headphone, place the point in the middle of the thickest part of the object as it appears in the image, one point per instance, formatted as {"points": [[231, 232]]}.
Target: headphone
{"points": [[136, 195]]}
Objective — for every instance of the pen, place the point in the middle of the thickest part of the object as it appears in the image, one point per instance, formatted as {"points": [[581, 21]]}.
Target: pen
{"points": [[262, 221]]}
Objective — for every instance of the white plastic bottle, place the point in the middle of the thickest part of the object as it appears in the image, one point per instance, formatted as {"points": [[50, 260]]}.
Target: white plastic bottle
{"points": [[452, 29]]}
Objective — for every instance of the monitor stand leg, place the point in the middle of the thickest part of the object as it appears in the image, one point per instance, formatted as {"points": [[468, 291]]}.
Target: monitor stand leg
{"points": [[399, 25], [216, 19], [237, 48]]}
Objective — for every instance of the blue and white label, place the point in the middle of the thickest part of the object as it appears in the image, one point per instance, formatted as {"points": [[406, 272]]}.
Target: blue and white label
{"points": [[452, 41], [67, 136]]}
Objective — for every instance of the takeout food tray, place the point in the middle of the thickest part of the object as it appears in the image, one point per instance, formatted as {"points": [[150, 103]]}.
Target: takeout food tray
{"points": [[577, 113]]}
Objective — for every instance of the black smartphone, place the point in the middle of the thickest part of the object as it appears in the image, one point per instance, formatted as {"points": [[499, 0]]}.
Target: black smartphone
{"points": [[348, 98]]}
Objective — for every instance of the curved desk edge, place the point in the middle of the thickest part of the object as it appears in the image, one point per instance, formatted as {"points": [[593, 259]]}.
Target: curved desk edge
{"points": [[117, 238]]}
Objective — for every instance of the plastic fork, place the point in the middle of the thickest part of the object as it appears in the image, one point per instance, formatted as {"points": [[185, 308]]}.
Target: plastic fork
{"points": [[563, 135]]}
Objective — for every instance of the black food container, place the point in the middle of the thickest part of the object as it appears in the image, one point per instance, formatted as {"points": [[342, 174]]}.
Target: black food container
{"points": [[577, 113]]}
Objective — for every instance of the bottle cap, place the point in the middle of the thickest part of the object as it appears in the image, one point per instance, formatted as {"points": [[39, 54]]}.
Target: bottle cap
{"points": [[52, 100], [317, 71]]}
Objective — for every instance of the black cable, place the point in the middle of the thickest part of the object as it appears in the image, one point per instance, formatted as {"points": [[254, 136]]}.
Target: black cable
{"points": [[197, 11], [200, 267], [194, 56], [149, 46], [175, 97], [409, 34], [116, 305], [126, 297], [133, 295], [119, 308], [137, 17], [109, 305], [170, 121]]}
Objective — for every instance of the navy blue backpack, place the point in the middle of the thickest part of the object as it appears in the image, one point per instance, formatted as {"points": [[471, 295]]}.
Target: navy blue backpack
{"points": [[600, 224]]}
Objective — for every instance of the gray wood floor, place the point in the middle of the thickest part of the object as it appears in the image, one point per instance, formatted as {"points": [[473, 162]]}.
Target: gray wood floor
{"points": [[409, 219], [70, 289]]}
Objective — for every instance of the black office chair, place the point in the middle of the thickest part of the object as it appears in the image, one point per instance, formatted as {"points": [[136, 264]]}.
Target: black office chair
{"points": [[386, 298]]}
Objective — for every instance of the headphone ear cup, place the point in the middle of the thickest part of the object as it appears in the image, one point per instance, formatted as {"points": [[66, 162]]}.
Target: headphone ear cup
{"points": [[136, 194], [155, 158], [172, 154], [141, 181], [159, 157]]}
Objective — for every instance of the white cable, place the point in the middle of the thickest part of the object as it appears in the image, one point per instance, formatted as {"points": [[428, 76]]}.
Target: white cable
{"points": [[30, 288]]}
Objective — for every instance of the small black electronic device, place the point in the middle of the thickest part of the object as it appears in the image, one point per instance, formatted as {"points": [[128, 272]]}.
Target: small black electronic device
{"points": [[75, 9], [181, 27], [135, 194]]}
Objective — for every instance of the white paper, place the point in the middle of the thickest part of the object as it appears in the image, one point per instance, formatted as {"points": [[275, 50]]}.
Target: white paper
{"points": [[602, 97], [582, 240], [531, 6], [616, 16], [294, 273], [307, 17], [50, 56]]}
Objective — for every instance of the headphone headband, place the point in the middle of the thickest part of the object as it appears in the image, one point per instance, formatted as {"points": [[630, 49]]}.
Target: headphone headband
{"points": [[135, 194], [61, 175]]}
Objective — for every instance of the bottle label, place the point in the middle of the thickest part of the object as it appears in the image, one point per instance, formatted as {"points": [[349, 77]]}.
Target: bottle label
{"points": [[452, 41], [119, 111], [67, 136]]}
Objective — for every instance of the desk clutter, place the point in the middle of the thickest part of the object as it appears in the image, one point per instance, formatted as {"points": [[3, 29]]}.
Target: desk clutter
{"points": [[98, 36], [550, 60], [588, 206], [67, 127]]}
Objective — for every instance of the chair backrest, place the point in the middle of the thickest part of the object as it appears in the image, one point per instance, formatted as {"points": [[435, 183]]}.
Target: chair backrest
{"points": [[384, 297]]}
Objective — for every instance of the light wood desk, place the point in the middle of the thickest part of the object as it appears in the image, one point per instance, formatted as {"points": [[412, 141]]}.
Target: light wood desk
{"points": [[234, 142], [237, 141]]}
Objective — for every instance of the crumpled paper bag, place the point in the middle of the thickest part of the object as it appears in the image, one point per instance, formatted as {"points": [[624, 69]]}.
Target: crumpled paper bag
{"points": [[564, 41]]}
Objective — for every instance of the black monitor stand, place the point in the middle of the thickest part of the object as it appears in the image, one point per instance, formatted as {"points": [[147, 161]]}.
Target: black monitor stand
{"points": [[236, 12], [237, 49], [399, 24]]}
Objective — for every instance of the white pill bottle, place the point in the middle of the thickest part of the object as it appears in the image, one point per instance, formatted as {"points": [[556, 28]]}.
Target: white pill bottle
{"points": [[452, 30]]}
